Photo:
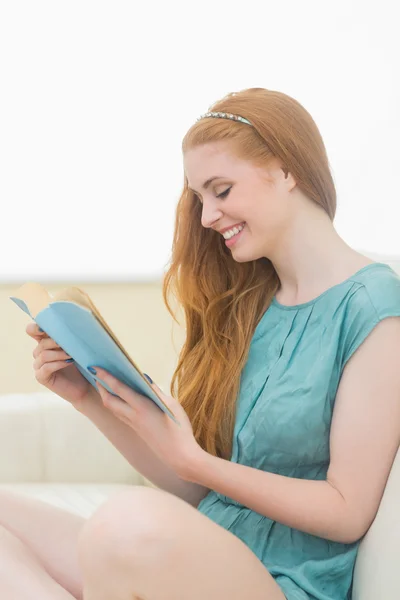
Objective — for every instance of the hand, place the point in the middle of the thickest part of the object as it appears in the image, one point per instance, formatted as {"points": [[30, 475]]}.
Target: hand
{"points": [[53, 372], [174, 444]]}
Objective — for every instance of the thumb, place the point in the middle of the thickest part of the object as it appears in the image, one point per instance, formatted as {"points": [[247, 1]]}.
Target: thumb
{"points": [[153, 385], [170, 401]]}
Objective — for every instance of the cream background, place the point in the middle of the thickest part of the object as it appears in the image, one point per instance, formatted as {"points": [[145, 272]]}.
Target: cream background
{"points": [[136, 314]]}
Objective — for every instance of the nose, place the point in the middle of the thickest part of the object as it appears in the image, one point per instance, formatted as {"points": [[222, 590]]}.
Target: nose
{"points": [[210, 214]]}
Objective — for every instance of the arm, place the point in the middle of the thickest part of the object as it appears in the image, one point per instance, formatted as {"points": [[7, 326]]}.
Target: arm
{"points": [[364, 439], [137, 453]]}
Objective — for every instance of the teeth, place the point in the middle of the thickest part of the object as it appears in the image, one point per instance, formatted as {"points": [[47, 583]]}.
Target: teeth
{"points": [[231, 232]]}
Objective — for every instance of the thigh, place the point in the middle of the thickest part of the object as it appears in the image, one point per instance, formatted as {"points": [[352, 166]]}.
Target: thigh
{"points": [[217, 565], [49, 532], [21, 573], [172, 551]]}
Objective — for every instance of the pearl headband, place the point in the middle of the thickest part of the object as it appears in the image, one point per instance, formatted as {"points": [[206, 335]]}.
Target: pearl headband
{"points": [[223, 115]]}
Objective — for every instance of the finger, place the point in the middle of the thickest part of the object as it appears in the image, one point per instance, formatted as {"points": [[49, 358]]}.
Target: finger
{"points": [[49, 356], [43, 374], [168, 400], [138, 402], [117, 386], [45, 344], [158, 389], [118, 406], [32, 329]]}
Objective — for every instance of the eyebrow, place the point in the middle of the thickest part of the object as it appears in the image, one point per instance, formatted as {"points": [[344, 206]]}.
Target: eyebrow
{"points": [[207, 183]]}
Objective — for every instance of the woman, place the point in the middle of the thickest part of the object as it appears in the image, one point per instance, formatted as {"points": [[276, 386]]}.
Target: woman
{"points": [[289, 393]]}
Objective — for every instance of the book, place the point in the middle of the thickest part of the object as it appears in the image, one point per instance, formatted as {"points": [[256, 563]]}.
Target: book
{"points": [[72, 320]]}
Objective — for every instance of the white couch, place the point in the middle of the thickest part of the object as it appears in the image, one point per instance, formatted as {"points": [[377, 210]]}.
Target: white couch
{"points": [[50, 451]]}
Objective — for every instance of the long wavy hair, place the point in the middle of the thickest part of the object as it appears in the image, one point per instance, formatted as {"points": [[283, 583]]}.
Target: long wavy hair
{"points": [[223, 300]]}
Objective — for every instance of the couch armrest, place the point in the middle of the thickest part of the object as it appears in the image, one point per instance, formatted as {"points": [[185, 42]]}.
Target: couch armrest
{"points": [[377, 573], [44, 439]]}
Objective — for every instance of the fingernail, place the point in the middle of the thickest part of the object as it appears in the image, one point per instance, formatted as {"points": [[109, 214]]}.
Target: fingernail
{"points": [[69, 360], [92, 370], [40, 329], [148, 377]]}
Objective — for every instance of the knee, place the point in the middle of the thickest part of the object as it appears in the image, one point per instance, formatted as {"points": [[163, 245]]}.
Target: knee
{"points": [[132, 524]]}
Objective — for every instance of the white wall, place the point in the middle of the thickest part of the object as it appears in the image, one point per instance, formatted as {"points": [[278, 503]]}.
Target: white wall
{"points": [[96, 97]]}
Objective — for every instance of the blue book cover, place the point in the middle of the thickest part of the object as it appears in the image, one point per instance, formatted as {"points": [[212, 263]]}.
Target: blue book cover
{"points": [[72, 320]]}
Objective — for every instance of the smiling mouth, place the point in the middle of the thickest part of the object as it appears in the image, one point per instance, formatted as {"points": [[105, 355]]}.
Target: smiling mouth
{"points": [[234, 239], [240, 227]]}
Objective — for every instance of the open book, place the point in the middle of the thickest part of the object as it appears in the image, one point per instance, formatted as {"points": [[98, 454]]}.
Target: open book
{"points": [[71, 319]]}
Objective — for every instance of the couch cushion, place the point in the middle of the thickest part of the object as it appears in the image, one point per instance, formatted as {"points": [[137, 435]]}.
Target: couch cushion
{"points": [[81, 499]]}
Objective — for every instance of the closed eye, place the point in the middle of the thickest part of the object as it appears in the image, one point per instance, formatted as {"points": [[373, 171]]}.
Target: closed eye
{"points": [[225, 193], [222, 195]]}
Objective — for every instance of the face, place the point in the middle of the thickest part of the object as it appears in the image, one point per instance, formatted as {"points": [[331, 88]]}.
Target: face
{"points": [[239, 194]]}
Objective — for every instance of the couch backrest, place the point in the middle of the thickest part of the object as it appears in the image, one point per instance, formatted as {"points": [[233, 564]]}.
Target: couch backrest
{"points": [[44, 439]]}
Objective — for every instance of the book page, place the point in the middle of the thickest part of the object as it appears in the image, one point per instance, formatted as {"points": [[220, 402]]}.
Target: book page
{"points": [[35, 296]]}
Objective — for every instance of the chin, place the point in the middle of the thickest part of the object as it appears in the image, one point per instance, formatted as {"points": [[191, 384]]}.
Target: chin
{"points": [[242, 257]]}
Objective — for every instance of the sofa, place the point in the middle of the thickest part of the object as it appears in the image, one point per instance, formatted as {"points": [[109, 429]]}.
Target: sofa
{"points": [[50, 451]]}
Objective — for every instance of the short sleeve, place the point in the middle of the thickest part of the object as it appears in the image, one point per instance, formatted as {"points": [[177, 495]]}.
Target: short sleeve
{"points": [[369, 305]]}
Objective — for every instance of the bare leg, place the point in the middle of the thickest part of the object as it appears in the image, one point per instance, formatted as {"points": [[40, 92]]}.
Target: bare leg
{"points": [[50, 534], [22, 577], [148, 544]]}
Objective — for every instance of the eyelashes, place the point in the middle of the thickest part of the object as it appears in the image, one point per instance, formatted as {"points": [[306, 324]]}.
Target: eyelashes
{"points": [[225, 193], [222, 195]]}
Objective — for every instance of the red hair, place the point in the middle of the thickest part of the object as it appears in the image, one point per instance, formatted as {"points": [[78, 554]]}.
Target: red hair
{"points": [[224, 300]]}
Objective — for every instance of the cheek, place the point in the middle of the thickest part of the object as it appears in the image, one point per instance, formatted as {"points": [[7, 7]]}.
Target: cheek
{"points": [[258, 217], [270, 212], [265, 223]]}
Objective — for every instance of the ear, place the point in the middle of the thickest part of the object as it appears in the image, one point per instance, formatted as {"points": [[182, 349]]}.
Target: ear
{"points": [[289, 179]]}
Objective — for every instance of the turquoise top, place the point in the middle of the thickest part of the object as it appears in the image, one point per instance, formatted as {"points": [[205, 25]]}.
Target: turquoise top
{"points": [[284, 411]]}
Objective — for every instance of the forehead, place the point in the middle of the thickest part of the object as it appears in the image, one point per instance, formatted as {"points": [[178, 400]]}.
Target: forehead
{"points": [[208, 160]]}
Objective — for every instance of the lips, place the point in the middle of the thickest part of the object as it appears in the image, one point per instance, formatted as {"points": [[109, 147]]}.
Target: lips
{"points": [[222, 231], [234, 239]]}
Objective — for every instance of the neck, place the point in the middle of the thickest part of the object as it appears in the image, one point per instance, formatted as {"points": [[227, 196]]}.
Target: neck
{"points": [[312, 257]]}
